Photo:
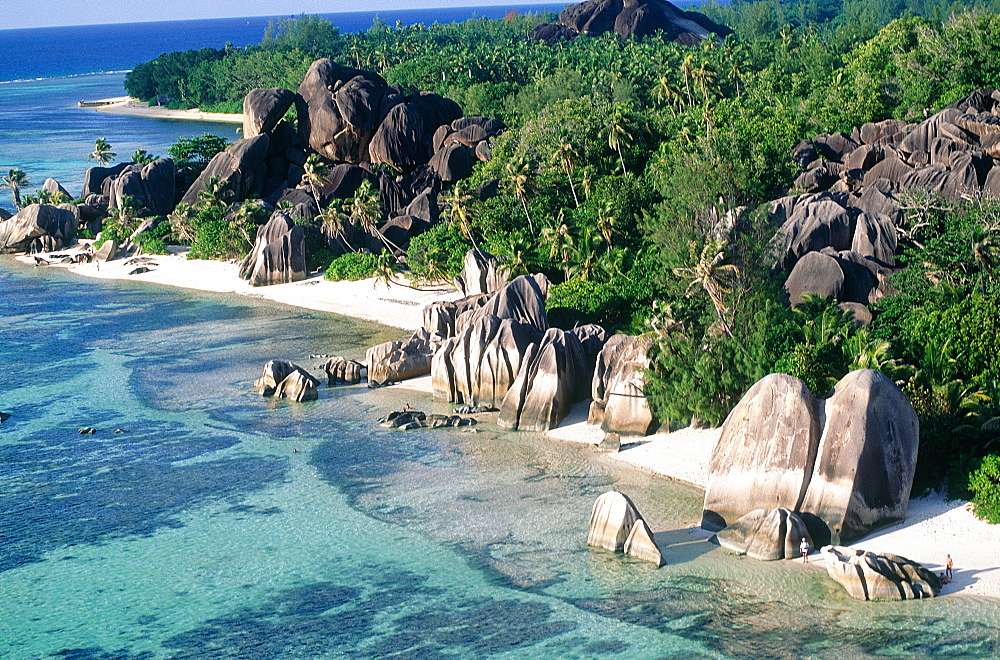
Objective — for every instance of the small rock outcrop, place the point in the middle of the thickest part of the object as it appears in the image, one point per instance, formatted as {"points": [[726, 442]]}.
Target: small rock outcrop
{"points": [[300, 385], [278, 254], [615, 524], [341, 371], [406, 420], [640, 18], [844, 464], [873, 576], [264, 108], [480, 274], [393, 361], [38, 228], [618, 389], [766, 534]]}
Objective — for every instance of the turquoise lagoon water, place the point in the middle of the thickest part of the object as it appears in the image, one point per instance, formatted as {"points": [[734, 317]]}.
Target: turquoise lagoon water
{"points": [[220, 524]]}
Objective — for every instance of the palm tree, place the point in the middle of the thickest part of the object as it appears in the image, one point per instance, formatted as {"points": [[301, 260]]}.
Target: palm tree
{"points": [[711, 273], [560, 242], [366, 213], [460, 212], [618, 135], [985, 253], [315, 173], [213, 194], [519, 179], [687, 70], [142, 157], [667, 93], [565, 153], [102, 153], [15, 180], [606, 221], [585, 252], [703, 76], [334, 226], [180, 222]]}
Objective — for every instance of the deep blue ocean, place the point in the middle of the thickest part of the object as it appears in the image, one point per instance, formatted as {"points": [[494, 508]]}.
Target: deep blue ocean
{"points": [[218, 524]]}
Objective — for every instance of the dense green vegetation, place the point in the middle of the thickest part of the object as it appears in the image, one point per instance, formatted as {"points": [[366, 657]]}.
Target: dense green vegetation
{"points": [[624, 157]]}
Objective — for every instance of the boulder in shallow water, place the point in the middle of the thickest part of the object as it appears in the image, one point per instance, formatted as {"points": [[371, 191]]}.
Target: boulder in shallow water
{"points": [[298, 386], [341, 371], [766, 534], [872, 576], [615, 524], [275, 371]]}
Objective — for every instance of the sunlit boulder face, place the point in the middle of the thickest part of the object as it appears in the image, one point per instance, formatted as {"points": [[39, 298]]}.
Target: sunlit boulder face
{"points": [[616, 525], [241, 169], [873, 576], [38, 228], [286, 380], [264, 108], [844, 464], [150, 186], [278, 254], [556, 373], [618, 389], [766, 534]]}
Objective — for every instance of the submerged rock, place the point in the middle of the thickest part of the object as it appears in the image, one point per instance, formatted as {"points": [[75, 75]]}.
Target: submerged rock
{"points": [[871, 576]]}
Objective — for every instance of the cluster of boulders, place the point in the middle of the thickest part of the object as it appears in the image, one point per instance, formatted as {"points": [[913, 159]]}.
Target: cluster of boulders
{"points": [[879, 576], [39, 228], [406, 420], [616, 525], [627, 18], [353, 120], [838, 235], [788, 465]]}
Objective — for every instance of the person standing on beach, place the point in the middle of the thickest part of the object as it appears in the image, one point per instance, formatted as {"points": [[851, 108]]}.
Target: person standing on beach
{"points": [[947, 568], [804, 549]]}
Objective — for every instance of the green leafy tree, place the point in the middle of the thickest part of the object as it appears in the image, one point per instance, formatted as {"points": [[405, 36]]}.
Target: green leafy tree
{"points": [[142, 157]]}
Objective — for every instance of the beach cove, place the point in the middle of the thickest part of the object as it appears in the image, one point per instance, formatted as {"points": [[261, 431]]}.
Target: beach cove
{"points": [[934, 526]]}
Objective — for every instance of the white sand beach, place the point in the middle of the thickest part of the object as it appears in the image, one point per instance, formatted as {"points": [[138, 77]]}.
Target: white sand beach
{"points": [[393, 305], [131, 106], [933, 528]]}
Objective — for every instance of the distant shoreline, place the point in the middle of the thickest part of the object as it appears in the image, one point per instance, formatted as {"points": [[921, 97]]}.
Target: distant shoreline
{"points": [[126, 105]]}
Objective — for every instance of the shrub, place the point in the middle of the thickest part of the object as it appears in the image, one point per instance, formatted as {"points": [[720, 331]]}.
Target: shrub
{"points": [[352, 266], [438, 253], [154, 241], [985, 486]]}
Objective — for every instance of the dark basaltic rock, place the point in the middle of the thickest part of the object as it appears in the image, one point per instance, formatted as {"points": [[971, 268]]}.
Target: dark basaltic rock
{"points": [[811, 227], [766, 534], [341, 371], [872, 576], [453, 162], [264, 108], [617, 391], [844, 465], [278, 255], [38, 228], [616, 525], [241, 168]]}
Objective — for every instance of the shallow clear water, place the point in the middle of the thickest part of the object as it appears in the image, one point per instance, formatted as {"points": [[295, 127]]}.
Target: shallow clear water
{"points": [[220, 524]]}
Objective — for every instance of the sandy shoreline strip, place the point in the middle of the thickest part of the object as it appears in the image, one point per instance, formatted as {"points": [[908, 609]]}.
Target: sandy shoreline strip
{"points": [[137, 108], [933, 527]]}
